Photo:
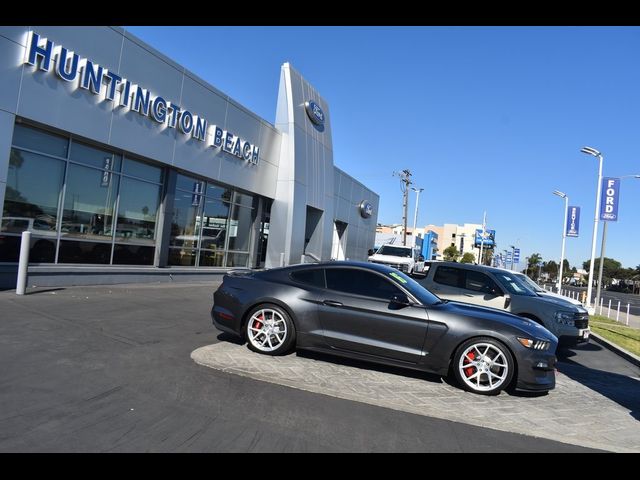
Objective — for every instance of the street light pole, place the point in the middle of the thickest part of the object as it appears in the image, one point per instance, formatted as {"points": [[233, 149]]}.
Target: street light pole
{"points": [[484, 226], [564, 233], [415, 214], [513, 256], [602, 248], [595, 153]]}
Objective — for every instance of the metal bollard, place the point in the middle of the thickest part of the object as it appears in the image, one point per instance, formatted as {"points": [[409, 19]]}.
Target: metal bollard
{"points": [[609, 311], [25, 245], [628, 305], [618, 314]]}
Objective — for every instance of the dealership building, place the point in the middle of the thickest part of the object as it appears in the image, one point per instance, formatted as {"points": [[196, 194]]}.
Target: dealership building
{"points": [[127, 167]]}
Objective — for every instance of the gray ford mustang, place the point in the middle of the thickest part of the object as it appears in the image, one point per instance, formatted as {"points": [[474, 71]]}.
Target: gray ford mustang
{"points": [[376, 313]]}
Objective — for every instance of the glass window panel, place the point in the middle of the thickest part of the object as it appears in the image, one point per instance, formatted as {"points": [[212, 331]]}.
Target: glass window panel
{"points": [[219, 192], [43, 250], [102, 159], [237, 259], [360, 282], [89, 203], [214, 224], [240, 228], [189, 184], [9, 248], [84, 252], [137, 211], [448, 276], [182, 256], [34, 139], [244, 199], [211, 258], [142, 170], [31, 197], [314, 277], [133, 255], [185, 222]]}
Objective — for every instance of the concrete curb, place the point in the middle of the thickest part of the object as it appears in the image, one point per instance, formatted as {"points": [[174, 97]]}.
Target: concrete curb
{"points": [[616, 349]]}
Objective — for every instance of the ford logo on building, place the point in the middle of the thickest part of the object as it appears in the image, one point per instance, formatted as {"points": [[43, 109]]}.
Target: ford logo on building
{"points": [[315, 113], [366, 209]]}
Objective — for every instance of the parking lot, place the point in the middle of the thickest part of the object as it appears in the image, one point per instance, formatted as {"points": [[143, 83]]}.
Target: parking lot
{"points": [[111, 369]]}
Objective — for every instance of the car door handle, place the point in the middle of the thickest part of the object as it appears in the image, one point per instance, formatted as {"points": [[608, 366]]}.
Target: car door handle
{"points": [[332, 303]]}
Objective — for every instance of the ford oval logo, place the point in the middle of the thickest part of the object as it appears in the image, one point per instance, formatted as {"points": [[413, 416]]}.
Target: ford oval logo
{"points": [[366, 209], [315, 113]]}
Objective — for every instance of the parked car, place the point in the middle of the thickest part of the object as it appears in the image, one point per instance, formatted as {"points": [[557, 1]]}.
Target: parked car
{"points": [[541, 291], [376, 313], [404, 258], [503, 289]]}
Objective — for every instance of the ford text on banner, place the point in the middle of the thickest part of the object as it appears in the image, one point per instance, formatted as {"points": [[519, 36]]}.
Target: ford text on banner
{"points": [[610, 199], [573, 222]]}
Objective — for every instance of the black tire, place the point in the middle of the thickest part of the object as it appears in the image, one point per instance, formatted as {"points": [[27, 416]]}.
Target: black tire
{"points": [[482, 376], [264, 327]]}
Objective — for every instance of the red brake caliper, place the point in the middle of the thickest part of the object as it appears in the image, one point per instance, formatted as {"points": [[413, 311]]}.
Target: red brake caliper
{"points": [[467, 359], [258, 324]]}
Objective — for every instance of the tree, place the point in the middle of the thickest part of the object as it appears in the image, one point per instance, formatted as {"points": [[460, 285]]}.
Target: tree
{"points": [[550, 267], [610, 269], [468, 257], [451, 254], [532, 266]]}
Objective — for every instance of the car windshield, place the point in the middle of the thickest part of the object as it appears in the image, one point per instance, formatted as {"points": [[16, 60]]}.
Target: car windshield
{"points": [[423, 295], [534, 286], [395, 251], [514, 285]]}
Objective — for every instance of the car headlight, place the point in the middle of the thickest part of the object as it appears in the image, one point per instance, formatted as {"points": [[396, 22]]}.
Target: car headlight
{"points": [[565, 318], [534, 344]]}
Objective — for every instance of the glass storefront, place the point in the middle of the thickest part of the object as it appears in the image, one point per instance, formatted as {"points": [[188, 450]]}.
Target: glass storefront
{"points": [[211, 225], [88, 205]]}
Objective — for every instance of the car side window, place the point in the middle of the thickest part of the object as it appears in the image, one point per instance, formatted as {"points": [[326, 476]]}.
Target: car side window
{"points": [[447, 276], [312, 277], [360, 282], [479, 282]]}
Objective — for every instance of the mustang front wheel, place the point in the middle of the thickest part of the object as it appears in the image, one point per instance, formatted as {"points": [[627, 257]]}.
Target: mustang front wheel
{"points": [[483, 365], [269, 330]]}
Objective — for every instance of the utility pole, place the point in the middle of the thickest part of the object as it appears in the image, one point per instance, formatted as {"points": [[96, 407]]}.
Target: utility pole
{"points": [[405, 181]]}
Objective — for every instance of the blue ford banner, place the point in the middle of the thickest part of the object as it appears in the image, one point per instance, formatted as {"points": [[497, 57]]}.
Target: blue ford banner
{"points": [[489, 238], [609, 199], [573, 222], [516, 255]]}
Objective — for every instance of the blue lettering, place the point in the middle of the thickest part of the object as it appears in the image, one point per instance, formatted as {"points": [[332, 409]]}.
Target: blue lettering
{"points": [[256, 152], [61, 65], [236, 148], [246, 151], [36, 51], [200, 128], [125, 94], [114, 80], [91, 79], [175, 111], [228, 142], [141, 101], [186, 122], [217, 136], [159, 109]]}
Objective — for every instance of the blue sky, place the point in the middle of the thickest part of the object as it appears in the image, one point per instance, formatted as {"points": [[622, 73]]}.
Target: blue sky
{"points": [[486, 118]]}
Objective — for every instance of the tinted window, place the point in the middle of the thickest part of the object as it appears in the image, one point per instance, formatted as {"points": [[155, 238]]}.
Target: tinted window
{"points": [[447, 276], [40, 141], [479, 282], [314, 278], [360, 282], [95, 157]]}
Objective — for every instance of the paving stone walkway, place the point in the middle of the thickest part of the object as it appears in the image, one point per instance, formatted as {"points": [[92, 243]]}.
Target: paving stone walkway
{"points": [[571, 413]]}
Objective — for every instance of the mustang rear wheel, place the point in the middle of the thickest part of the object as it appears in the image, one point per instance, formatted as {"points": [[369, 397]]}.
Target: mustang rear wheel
{"points": [[269, 330], [483, 365]]}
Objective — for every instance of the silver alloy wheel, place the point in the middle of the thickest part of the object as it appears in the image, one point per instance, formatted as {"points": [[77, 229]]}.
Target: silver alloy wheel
{"points": [[266, 330], [483, 367]]}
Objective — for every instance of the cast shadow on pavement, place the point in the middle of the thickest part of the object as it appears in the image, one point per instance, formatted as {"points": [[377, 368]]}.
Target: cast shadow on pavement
{"points": [[377, 367], [623, 390]]}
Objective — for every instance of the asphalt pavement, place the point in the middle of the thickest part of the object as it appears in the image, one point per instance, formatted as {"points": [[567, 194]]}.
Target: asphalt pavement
{"points": [[97, 369]]}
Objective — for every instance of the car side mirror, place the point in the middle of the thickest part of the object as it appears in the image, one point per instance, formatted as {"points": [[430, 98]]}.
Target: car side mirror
{"points": [[421, 258], [507, 300], [400, 300], [370, 252], [496, 292]]}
